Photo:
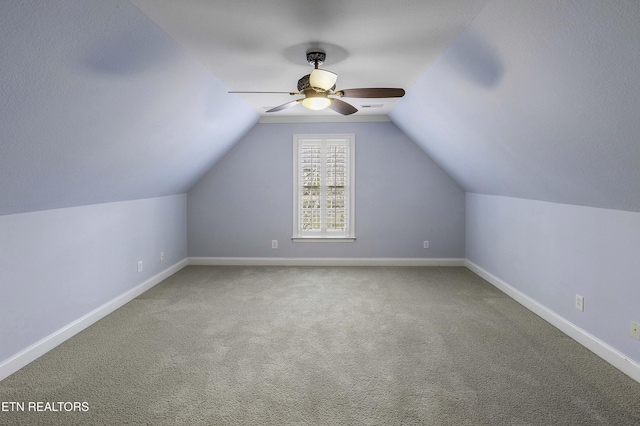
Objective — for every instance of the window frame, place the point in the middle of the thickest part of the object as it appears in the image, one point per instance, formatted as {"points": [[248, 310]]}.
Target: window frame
{"points": [[324, 235]]}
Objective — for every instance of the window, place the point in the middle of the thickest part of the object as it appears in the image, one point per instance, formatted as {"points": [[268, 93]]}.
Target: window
{"points": [[323, 188]]}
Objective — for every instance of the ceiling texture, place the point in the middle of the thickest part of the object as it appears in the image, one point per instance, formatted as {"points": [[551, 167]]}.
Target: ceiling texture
{"points": [[257, 45]]}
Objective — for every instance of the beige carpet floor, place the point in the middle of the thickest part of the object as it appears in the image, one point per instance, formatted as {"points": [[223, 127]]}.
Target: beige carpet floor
{"points": [[323, 346]]}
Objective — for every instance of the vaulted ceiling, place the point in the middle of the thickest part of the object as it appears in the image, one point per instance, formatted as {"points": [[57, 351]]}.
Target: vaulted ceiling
{"points": [[117, 100]]}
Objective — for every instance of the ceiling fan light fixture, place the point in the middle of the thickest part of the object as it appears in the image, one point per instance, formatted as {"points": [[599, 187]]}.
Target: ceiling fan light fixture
{"points": [[322, 80], [318, 85], [316, 103]]}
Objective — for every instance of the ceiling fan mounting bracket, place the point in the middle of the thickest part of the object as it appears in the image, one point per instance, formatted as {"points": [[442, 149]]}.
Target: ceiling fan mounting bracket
{"points": [[316, 59]]}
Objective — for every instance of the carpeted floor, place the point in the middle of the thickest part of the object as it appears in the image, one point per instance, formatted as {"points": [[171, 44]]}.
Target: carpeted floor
{"points": [[323, 346]]}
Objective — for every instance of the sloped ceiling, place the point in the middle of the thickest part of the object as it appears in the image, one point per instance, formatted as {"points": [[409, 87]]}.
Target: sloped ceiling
{"points": [[538, 100], [531, 99], [98, 104]]}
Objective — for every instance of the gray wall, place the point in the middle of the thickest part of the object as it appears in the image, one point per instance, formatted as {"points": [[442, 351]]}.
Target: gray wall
{"points": [[59, 265], [402, 199], [552, 251]]}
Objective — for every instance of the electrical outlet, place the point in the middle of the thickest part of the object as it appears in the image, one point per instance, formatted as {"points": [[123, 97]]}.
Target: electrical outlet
{"points": [[139, 266], [161, 256], [274, 244], [426, 244], [635, 330], [580, 302]]}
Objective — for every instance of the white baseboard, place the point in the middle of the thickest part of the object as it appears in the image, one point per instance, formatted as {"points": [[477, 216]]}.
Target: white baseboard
{"points": [[595, 345], [302, 261], [600, 348], [43, 346]]}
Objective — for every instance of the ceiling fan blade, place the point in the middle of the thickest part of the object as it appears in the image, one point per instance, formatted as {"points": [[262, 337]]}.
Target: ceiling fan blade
{"points": [[342, 107], [286, 93], [371, 93], [285, 106]]}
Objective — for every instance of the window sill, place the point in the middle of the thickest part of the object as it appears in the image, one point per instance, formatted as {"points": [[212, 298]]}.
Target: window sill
{"points": [[323, 240]]}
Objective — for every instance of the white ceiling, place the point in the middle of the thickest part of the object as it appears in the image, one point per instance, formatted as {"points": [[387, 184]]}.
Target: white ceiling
{"points": [[258, 45]]}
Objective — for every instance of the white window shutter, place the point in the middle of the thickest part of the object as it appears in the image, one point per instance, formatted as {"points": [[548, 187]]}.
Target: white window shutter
{"points": [[324, 190]]}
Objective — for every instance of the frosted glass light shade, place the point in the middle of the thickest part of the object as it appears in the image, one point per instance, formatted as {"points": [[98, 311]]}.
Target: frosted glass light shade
{"points": [[322, 80], [316, 103]]}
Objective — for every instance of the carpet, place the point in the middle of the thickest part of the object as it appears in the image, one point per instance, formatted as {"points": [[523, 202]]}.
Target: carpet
{"points": [[321, 346]]}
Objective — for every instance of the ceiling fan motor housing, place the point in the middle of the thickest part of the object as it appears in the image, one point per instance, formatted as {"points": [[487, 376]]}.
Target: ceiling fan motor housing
{"points": [[303, 83]]}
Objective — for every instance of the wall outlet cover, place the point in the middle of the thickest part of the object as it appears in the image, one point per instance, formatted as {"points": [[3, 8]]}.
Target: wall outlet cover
{"points": [[635, 330], [580, 302]]}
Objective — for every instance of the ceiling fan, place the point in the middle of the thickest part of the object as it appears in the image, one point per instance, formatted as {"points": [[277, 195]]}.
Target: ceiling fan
{"points": [[319, 92]]}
